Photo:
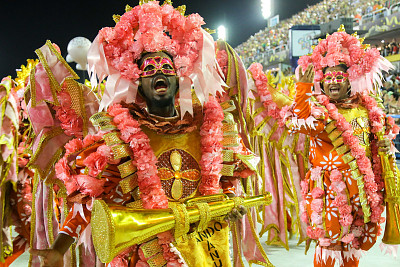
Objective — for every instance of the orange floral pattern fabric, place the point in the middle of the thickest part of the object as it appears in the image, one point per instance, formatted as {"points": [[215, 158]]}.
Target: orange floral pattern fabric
{"points": [[324, 159]]}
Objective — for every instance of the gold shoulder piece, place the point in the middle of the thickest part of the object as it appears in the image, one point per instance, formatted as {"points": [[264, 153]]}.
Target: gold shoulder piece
{"points": [[128, 8], [181, 9], [341, 28], [116, 18], [126, 169]]}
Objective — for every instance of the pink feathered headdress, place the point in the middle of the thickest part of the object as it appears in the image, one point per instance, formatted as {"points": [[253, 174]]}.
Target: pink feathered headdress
{"points": [[150, 27], [365, 64]]}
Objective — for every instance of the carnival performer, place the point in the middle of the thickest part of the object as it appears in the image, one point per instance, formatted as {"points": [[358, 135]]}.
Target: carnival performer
{"points": [[343, 191], [148, 153], [16, 180]]}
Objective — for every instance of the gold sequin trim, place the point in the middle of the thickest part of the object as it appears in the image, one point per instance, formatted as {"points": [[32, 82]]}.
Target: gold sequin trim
{"points": [[112, 139], [342, 150], [100, 116], [129, 183], [103, 120], [330, 127], [338, 142], [138, 204], [121, 151], [205, 216], [353, 165], [230, 141], [181, 216], [126, 169], [227, 155], [356, 173], [334, 135], [228, 106], [229, 129], [347, 158], [150, 248], [227, 170], [157, 261]]}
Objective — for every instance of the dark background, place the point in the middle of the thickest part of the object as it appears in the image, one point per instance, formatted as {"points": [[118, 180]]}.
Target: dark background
{"points": [[25, 26]]}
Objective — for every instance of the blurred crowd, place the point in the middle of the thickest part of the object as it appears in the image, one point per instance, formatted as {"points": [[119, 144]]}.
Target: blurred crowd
{"points": [[388, 49], [391, 93], [275, 39]]}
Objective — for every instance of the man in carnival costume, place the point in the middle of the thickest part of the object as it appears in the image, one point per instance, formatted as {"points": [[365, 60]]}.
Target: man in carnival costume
{"points": [[343, 191], [152, 155]]}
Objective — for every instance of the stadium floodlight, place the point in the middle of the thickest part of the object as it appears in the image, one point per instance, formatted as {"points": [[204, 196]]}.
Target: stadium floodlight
{"points": [[266, 6], [221, 32]]}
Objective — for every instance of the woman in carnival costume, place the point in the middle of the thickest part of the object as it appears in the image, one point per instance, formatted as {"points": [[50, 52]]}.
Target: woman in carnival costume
{"points": [[147, 153], [343, 193]]}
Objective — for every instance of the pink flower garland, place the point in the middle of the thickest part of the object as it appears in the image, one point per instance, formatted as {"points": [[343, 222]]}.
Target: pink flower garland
{"points": [[340, 201], [152, 193], [376, 116], [261, 82], [71, 123], [87, 184], [211, 147]]}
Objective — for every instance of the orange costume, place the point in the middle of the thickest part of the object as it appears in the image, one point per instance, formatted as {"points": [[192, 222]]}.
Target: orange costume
{"points": [[325, 157]]}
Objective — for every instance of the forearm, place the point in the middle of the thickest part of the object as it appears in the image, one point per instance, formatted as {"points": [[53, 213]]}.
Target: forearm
{"points": [[62, 243]]}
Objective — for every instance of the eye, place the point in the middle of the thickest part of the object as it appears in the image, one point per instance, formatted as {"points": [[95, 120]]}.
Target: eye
{"points": [[328, 78], [167, 67], [339, 77], [149, 68]]}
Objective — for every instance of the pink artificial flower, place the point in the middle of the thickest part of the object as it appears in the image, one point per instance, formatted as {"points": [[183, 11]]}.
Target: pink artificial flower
{"points": [[72, 146], [339, 200], [347, 238], [96, 163], [316, 173], [316, 218], [340, 186], [346, 220], [91, 139], [317, 192], [344, 209], [335, 176], [90, 185], [317, 205], [304, 188]]}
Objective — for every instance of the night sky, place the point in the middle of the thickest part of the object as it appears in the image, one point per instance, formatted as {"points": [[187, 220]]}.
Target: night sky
{"points": [[25, 26]]}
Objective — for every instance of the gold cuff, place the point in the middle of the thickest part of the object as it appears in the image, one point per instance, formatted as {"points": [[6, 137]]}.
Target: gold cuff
{"points": [[227, 155], [347, 157], [129, 183], [112, 139], [151, 248], [330, 127], [126, 169], [227, 170], [121, 151]]}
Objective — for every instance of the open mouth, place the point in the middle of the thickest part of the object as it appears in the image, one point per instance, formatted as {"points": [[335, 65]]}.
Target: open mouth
{"points": [[334, 90], [160, 85]]}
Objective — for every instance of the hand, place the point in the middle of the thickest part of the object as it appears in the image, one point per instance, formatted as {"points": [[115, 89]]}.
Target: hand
{"points": [[236, 214], [384, 145], [308, 76], [48, 257]]}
